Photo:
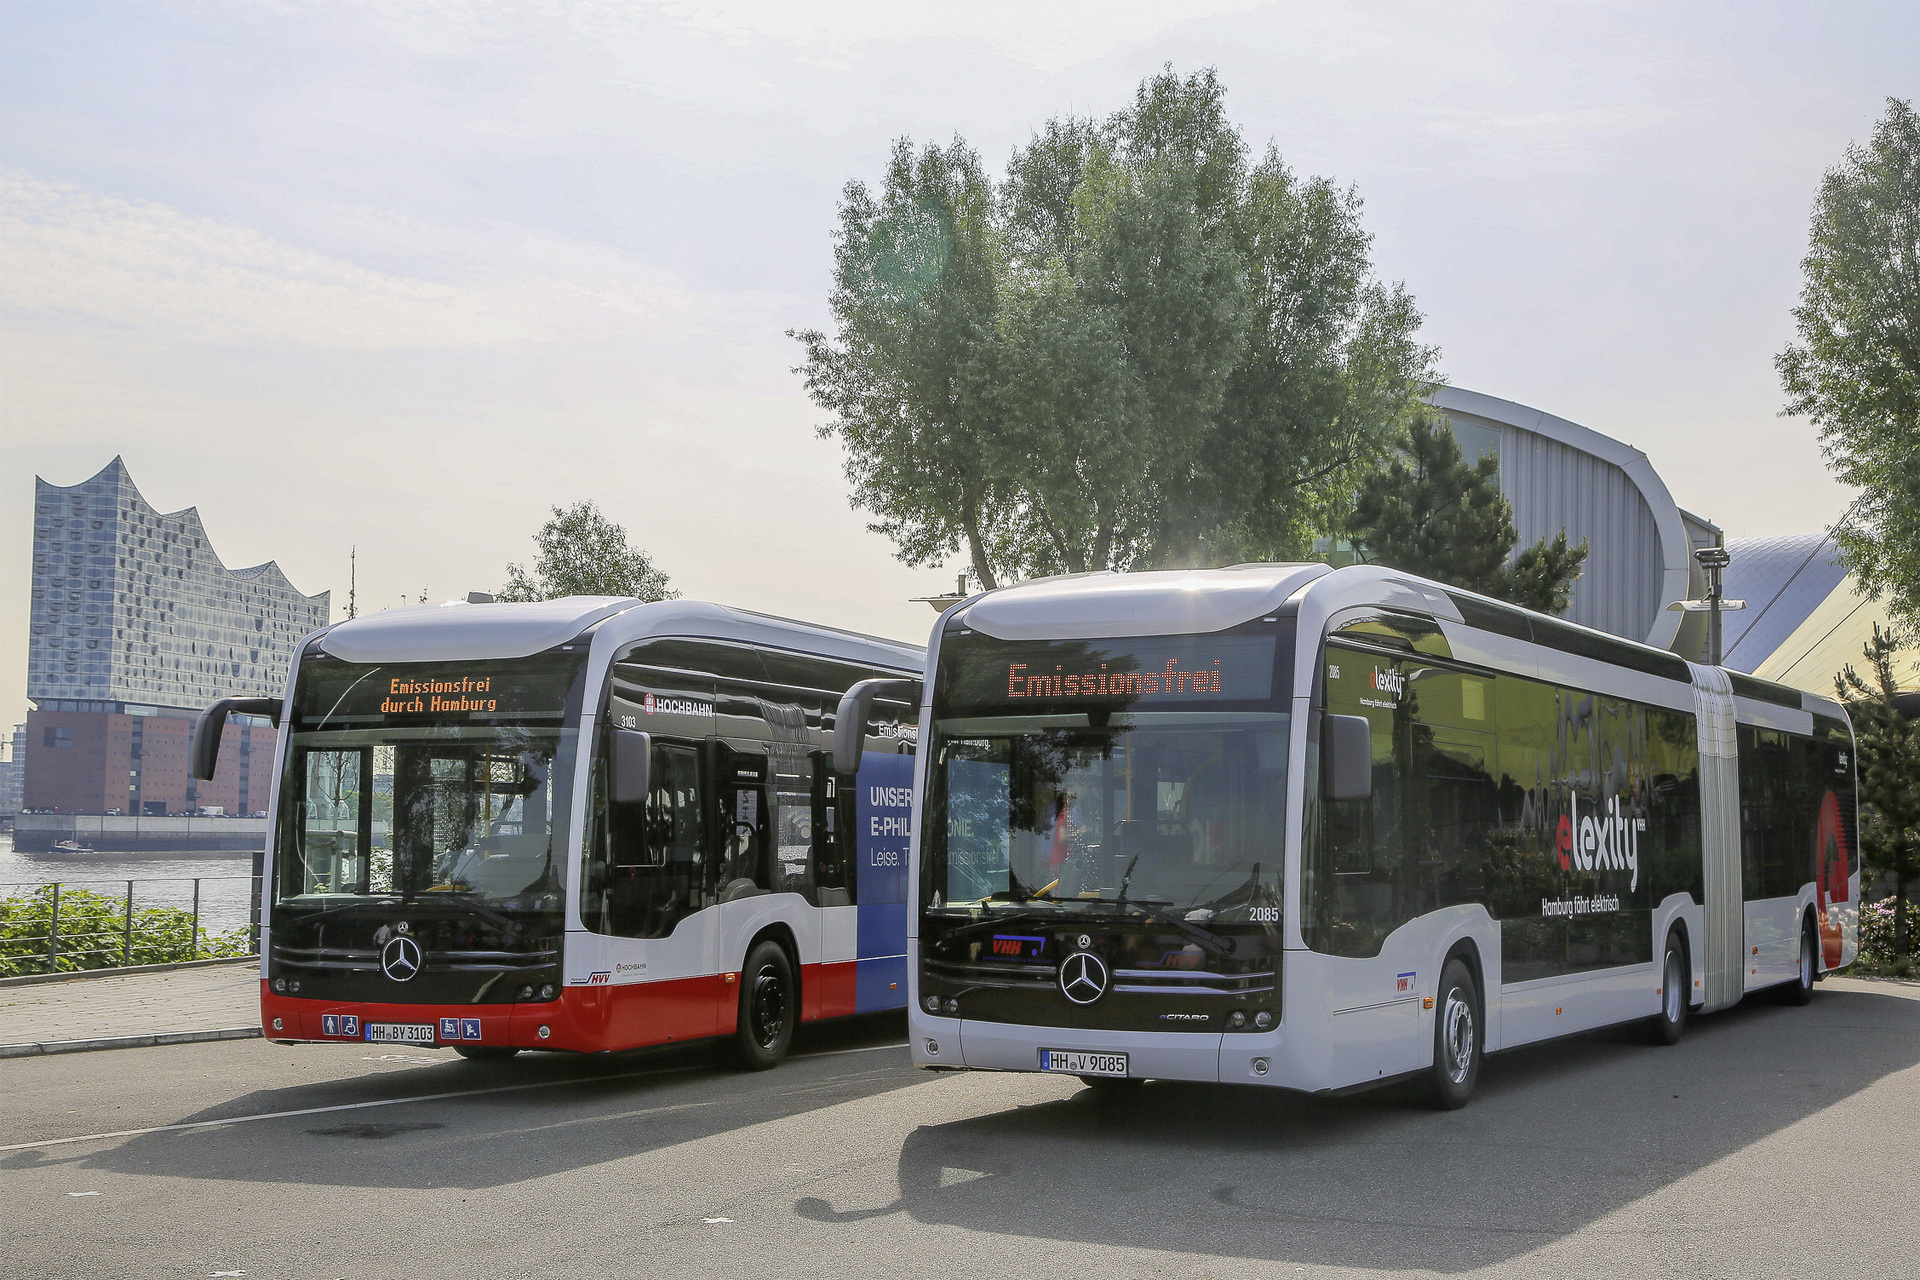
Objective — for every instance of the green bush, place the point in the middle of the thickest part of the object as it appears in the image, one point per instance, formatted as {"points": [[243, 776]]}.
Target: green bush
{"points": [[1877, 952], [93, 934]]}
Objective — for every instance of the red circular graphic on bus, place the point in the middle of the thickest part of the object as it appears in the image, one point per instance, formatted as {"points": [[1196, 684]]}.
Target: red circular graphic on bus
{"points": [[1563, 843]]}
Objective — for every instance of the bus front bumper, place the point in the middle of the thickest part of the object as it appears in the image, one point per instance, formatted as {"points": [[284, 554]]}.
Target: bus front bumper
{"points": [[520, 1026], [962, 1043]]}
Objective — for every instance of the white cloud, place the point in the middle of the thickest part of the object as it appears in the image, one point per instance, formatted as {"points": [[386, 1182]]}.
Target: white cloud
{"points": [[65, 251], [146, 267], [1049, 35]]}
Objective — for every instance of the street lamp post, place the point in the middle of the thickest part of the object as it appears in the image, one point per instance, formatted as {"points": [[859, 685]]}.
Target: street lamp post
{"points": [[1713, 560]]}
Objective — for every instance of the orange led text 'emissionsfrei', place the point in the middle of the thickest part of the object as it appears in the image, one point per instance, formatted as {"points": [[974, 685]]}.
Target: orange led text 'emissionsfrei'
{"points": [[1061, 683]]}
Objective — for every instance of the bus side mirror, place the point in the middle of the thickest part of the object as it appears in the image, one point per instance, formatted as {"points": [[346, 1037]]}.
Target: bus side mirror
{"points": [[856, 708], [1346, 757], [629, 756], [213, 722]]}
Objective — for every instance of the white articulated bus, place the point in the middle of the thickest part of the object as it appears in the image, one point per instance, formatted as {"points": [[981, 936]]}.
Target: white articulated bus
{"points": [[1320, 829], [585, 824]]}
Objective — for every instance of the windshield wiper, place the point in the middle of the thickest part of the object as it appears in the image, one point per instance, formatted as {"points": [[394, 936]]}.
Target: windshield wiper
{"points": [[1220, 944]]}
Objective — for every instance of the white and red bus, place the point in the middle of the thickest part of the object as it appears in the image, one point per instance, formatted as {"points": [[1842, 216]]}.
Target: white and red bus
{"points": [[586, 824], [1286, 825]]}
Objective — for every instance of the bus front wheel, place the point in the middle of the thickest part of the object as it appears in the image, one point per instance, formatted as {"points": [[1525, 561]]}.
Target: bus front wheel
{"points": [[769, 1006], [1457, 1038]]}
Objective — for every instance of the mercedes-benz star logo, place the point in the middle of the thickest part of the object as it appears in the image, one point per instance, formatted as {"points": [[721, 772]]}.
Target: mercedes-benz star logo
{"points": [[1083, 977], [400, 959]]}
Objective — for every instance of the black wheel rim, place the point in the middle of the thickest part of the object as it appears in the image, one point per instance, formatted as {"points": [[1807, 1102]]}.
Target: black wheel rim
{"points": [[767, 1007]]}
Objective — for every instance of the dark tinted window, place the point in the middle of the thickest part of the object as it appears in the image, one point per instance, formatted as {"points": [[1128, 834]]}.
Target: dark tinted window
{"points": [[1568, 815], [1746, 686], [646, 863], [1796, 811]]}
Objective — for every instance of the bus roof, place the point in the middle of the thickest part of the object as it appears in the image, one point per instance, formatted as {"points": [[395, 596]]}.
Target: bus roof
{"points": [[1169, 602], [1193, 601], [457, 631]]}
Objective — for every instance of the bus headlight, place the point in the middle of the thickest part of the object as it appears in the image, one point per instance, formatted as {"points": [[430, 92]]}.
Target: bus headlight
{"points": [[1263, 1019], [523, 994], [933, 1004], [953, 1004], [1238, 1018], [279, 986], [549, 991]]}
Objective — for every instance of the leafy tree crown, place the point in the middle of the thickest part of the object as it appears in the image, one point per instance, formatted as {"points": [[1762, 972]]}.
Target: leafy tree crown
{"points": [[582, 553]]}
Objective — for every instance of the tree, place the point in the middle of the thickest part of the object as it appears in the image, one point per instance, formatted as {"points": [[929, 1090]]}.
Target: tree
{"points": [[1134, 351], [1856, 369], [1430, 513], [1888, 745], [582, 553]]}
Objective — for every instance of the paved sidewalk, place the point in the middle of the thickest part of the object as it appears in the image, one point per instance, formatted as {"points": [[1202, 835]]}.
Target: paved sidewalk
{"points": [[141, 1008]]}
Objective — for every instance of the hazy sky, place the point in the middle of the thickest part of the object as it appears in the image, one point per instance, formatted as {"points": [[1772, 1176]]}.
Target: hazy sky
{"points": [[402, 275]]}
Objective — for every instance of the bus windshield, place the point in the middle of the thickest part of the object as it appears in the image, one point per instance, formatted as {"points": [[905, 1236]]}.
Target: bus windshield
{"points": [[441, 782], [1174, 810]]}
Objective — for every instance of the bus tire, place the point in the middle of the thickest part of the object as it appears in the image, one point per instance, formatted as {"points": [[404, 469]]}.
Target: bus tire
{"points": [[1458, 1041], [1676, 973], [485, 1052], [769, 1006], [1800, 990]]}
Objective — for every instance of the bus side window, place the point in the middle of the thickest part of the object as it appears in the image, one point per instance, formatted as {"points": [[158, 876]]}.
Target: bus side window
{"points": [[652, 852], [745, 821], [1360, 882], [832, 849]]}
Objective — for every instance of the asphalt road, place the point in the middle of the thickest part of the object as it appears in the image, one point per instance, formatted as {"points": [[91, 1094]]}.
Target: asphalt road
{"points": [[1772, 1141]]}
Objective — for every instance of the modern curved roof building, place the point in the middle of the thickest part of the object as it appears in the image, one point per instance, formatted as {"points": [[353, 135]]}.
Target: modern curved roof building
{"points": [[1806, 618], [1559, 474], [132, 606]]}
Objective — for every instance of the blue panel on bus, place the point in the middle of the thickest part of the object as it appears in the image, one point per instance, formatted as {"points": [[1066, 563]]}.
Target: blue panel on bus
{"points": [[883, 812], [880, 984]]}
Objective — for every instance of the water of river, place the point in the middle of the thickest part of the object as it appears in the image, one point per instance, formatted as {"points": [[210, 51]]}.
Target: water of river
{"points": [[160, 879]]}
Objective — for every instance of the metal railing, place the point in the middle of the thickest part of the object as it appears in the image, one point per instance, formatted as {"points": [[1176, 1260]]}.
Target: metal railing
{"points": [[76, 925]]}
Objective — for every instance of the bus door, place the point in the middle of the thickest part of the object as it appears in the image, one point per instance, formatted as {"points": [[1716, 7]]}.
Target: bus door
{"points": [[1369, 881]]}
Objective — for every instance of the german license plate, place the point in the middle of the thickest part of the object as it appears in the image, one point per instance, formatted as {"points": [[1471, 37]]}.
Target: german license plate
{"points": [[400, 1033], [1075, 1063]]}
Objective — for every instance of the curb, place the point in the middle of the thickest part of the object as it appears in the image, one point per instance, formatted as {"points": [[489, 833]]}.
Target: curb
{"points": [[32, 979], [46, 1047]]}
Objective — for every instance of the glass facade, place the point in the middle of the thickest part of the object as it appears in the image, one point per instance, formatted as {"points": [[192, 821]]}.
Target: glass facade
{"points": [[130, 605]]}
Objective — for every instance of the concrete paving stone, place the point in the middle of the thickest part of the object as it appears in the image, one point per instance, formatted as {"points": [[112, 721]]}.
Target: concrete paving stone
{"points": [[215, 998]]}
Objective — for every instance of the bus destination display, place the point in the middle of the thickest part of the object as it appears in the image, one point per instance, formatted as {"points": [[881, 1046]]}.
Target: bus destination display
{"points": [[332, 690], [1162, 670]]}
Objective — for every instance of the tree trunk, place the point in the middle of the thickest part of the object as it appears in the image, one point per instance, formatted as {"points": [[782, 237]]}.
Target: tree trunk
{"points": [[976, 550]]}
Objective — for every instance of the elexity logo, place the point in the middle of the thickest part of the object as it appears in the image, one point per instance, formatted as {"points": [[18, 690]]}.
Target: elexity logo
{"points": [[1390, 682], [1610, 842]]}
